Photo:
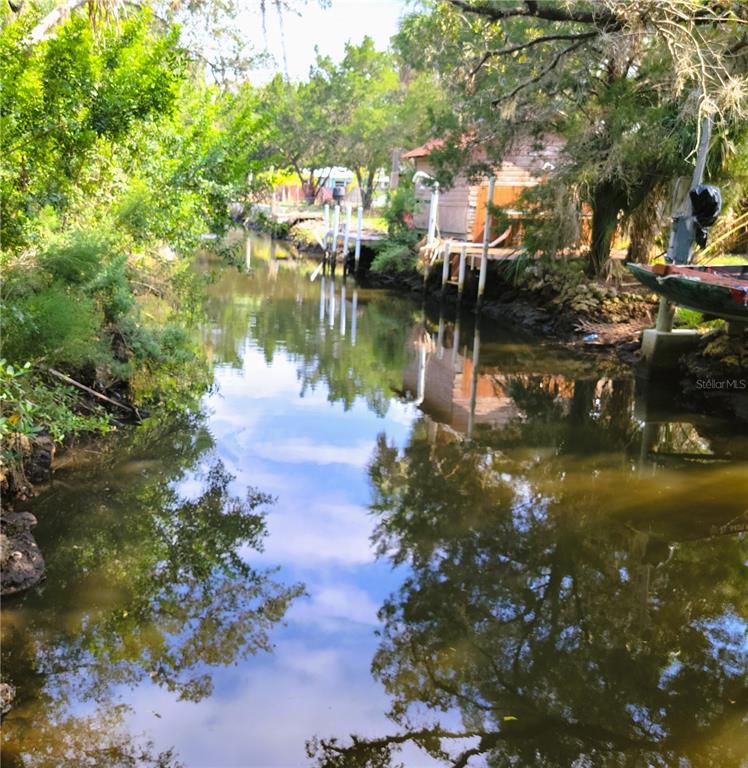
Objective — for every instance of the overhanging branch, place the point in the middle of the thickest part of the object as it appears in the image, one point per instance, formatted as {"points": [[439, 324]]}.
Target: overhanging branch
{"points": [[537, 78], [537, 41], [600, 17]]}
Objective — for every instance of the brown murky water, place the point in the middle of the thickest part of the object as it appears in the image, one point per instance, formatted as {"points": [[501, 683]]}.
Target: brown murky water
{"points": [[461, 546]]}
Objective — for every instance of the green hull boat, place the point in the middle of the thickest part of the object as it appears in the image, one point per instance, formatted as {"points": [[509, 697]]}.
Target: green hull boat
{"points": [[721, 291]]}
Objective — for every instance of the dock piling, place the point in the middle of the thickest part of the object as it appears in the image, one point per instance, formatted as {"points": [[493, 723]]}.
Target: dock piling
{"points": [[359, 226], [461, 274], [335, 232], [486, 240], [433, 212], [445, 267]]}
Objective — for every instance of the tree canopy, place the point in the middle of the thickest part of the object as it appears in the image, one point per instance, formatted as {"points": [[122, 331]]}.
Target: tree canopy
{"points": [[623, 85]]}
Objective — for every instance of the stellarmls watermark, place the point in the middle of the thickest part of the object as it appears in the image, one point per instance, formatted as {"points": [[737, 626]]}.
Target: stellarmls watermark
{"points": [[724, 385]]}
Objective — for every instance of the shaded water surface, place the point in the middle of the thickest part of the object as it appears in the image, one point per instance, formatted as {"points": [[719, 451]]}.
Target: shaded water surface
{"points": [[459, 546]]}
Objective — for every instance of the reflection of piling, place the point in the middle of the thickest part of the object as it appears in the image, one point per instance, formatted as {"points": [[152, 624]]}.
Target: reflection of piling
{"points": [[486, 240], [456, 343], [650, 432], [342, 309], [421, 385], [354, 316], [322, 300], [474, 380], [440, 337], [331, 316]]}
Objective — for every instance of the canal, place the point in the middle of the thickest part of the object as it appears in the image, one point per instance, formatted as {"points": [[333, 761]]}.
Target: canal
{"points": [[457, 544]]}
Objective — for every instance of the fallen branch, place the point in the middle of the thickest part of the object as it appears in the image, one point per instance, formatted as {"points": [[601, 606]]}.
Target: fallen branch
{"points": [[62, 377]]}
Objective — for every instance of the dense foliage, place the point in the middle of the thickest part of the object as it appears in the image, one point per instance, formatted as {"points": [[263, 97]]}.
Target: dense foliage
{"points": [[117, 157]]}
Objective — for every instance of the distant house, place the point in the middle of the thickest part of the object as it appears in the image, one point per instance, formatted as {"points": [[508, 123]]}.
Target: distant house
{"points": [[462, 208], [335, 178]]}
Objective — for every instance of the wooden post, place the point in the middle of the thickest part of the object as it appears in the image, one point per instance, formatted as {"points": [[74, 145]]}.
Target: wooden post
{"points": [[354, 316], [433, 212], [665, 315], [445, 266], [461, 274], [359, 225], [486, 240], [335, 232]]}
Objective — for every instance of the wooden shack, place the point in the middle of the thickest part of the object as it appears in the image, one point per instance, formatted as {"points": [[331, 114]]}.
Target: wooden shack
{"points": [[462, 207]]}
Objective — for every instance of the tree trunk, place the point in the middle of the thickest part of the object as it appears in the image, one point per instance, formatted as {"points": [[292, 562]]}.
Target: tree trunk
{"points": [[607, 200], [360, 182], [369, 191]]}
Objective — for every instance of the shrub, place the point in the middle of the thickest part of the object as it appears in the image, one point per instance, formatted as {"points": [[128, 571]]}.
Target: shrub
{"points": [[77, 257], [394, 257], [58, 324]]}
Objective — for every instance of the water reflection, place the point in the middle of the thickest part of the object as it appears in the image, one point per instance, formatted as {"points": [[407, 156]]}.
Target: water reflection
{"points": [[576, 595], [146, 584], [349, 340], [557, 563]]}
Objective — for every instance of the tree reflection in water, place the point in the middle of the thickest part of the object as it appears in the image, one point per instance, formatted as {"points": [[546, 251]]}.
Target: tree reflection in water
{"points": [[145, 584], [562, 607]]}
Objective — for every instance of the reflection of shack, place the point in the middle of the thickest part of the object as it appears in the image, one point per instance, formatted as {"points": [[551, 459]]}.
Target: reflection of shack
{"points": [[444, 382]]}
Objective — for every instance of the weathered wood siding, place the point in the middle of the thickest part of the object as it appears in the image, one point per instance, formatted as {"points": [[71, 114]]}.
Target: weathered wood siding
{"points": [[462, 208]]}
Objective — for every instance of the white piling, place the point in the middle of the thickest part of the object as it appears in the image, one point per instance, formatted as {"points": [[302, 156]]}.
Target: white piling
{"points": [[440, 337], [354, 316], [359, 226], [335, 230], [248, 254], [433, 212], [445, 266], [461, 273], [486, 240], [326, 218]]}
